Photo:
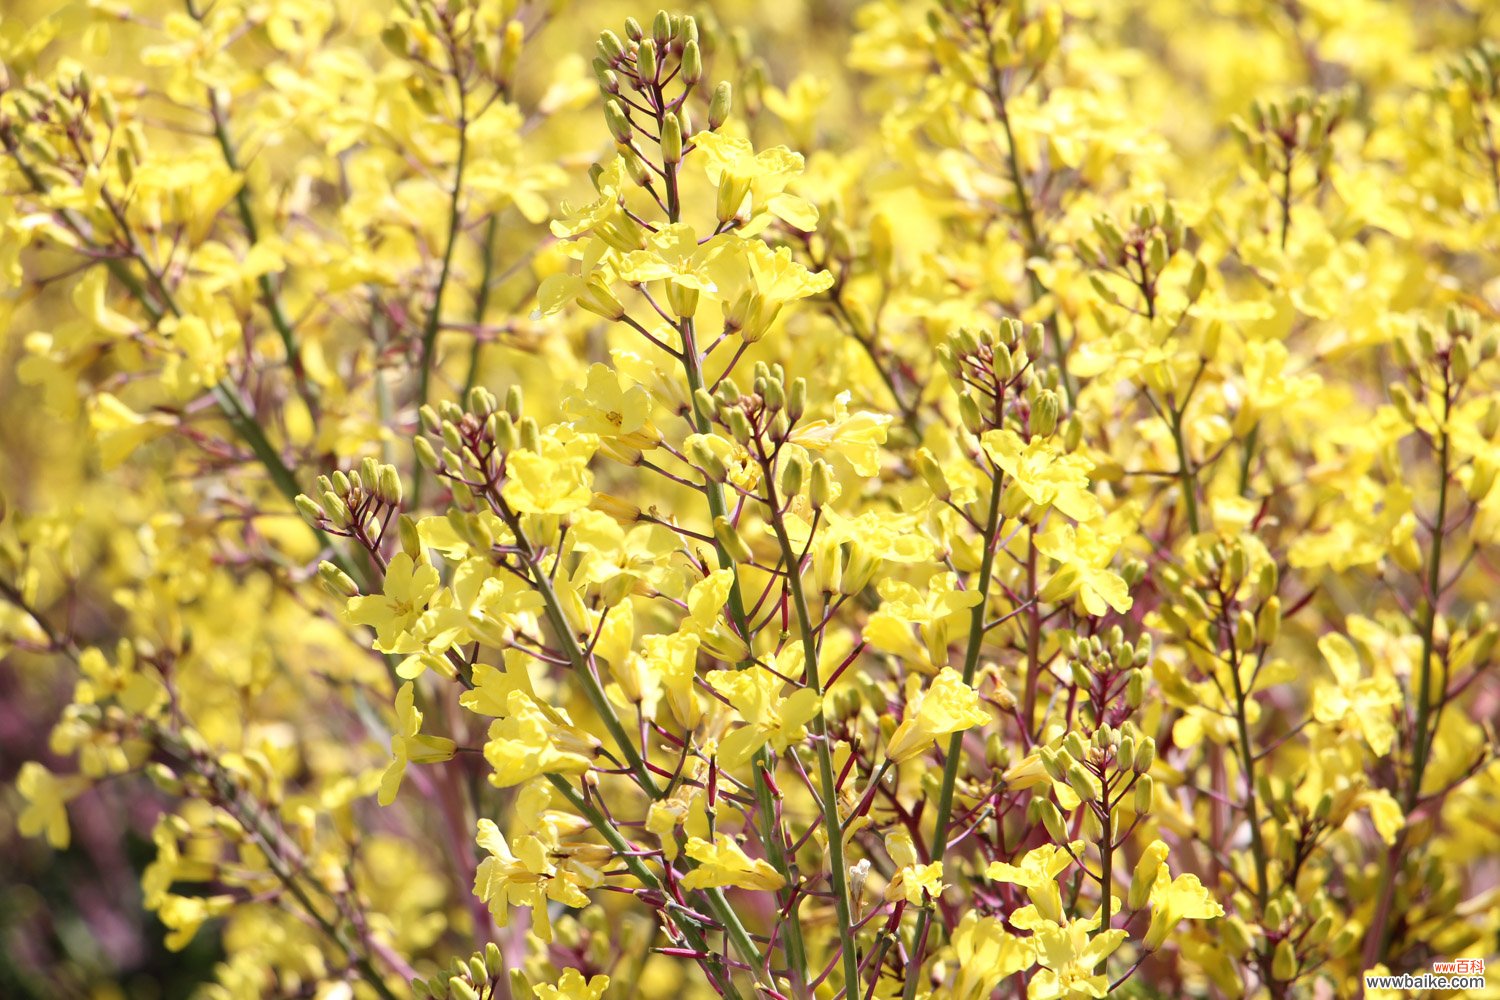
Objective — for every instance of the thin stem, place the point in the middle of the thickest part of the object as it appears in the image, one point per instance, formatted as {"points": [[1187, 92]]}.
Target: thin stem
{"points": [[455, 227], [955, 743]]}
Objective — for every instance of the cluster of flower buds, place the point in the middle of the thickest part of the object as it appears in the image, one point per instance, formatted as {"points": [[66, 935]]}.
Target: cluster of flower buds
{"points": [[1476, 71], [1138, 251], [987, 366], [476, 979], [1438, 361], [56, 130], [1226, 571], [644, 64], [1009, 34], [453, 38], [764, 417], [466, 445], [355, 504], [1280, 133], [1099, 770], [1111, 671], [1300, 924]]}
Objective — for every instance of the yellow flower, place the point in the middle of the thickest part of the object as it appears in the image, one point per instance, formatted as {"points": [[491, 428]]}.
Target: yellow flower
{"points": [[571, 986], [528, 743], [408, 586], [1085, 556], [408, 745], [554, 480], [741, 174], [1069, 958], [1037, 874], [603, 408], [523, 877], [46, 797], [986, 955], [722, 863], [1176, 900], [914, 881], [674, 255], [755, 693], [948, 706], [1364, 704], [1047, 476]]}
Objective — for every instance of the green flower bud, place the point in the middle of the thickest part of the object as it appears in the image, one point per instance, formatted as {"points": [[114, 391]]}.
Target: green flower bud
{"points": [[671, 140], [645, 60], [1145, 755], [820, 490], [1284, 961], [618, 122], [692, 64], [731, 542], [720, 106], [308, 508], [336, 581], [1143, 794], [461, 990]]}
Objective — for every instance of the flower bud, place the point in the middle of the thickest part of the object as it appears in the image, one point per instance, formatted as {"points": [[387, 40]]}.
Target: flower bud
{"points": [[692, 64], [645, 60], [618, 122], [730, 541], [1143, 794], [1144, 876], [336, 581], [820, 490], [719, 107], [1284, 961], [671, 140]]}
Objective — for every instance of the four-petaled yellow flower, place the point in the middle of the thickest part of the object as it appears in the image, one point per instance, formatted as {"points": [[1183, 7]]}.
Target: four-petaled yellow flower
{"points": [[1363, 704], [409, 745], [408, 587], [948, 706], [1039, 469]]}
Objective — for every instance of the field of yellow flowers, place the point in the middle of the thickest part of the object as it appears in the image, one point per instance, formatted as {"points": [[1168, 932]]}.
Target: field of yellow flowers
{"points": [[839, 499]]}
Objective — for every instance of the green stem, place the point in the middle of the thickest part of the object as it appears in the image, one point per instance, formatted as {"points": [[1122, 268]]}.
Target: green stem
{"points": [[830, 802], [644, 875], [268, 290], [455, 227], [482, 299], [1422, 739], [955, 743], [580, 660], [692, 366], [1185, 471], [1252, 805]]}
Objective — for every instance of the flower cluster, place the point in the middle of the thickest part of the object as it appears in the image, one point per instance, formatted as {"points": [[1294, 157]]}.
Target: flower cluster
{"points": [[931, 500]]}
